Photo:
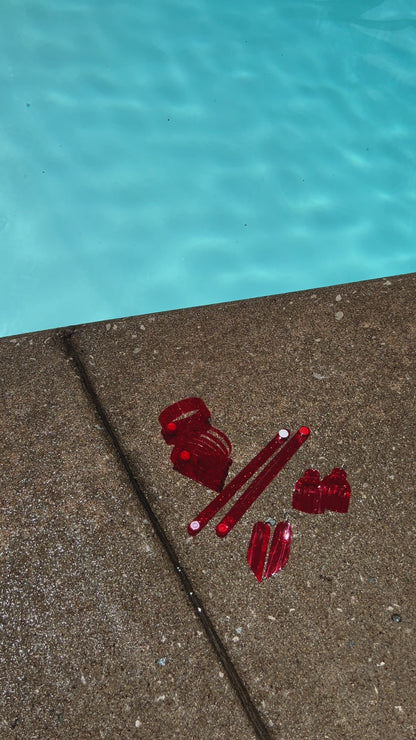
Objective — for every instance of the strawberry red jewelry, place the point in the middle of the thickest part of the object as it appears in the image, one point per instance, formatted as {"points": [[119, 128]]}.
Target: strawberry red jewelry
{"points": [[261, 482], [240, 479], [313, 496], [200, 451], [279, 549]]}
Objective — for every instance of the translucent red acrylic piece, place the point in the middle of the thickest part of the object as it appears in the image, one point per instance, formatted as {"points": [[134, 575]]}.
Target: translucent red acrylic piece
{"points": [[203, 455], [335, 491], [237, 482], [257, 548], [314, 496], [261, 482], [306, 494], [200, 451], [180, 417], [279, 549]]}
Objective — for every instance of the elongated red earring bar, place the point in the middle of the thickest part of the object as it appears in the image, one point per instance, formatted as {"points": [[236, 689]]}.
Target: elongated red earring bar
{"points": [[261, 482], [240, 479]]}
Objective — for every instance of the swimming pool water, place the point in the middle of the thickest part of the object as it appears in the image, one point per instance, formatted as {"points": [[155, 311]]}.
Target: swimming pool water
{"points": [[181, 152]]}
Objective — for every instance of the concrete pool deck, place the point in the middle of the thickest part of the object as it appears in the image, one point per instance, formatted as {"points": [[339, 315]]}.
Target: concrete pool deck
{"points": [[114, 622]]}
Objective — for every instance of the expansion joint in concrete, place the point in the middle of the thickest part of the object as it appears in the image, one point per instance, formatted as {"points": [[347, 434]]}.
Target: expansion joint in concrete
{"points": [[236, 681]]}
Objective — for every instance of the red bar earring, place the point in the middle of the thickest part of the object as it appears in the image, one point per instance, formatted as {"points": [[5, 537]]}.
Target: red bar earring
{"points": [[261, 482], [240, 479]]}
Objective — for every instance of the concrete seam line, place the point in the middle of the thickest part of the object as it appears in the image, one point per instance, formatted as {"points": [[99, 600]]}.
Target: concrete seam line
{"points": [[237, 683]]}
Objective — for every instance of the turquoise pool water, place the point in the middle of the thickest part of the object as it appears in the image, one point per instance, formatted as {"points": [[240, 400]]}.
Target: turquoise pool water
{"points": [[180, 152]]}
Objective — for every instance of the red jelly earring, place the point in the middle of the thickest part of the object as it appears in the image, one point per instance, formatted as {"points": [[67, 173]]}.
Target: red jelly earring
{"points": [[306, 493], [240, 479], [257, 548], [279, 549], [313, 496], [335, 491], [200, 451]]}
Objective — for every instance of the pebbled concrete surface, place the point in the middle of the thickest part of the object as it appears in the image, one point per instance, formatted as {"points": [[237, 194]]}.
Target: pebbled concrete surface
{"points": [[98, 640], [324, 648]]}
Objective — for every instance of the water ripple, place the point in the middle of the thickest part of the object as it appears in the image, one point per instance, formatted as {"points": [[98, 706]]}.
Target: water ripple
{"points": [[156, 160]]}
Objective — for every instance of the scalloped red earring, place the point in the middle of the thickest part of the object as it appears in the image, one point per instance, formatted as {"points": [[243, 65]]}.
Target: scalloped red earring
{"points": [[200, 451]]}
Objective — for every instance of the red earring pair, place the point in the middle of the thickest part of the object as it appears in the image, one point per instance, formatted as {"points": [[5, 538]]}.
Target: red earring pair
{"points": [[314, 496], [279, 548]]}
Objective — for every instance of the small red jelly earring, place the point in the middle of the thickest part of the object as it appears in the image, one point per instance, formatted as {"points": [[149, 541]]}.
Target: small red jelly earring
{"points": [[335, 491], [306, 493]]}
